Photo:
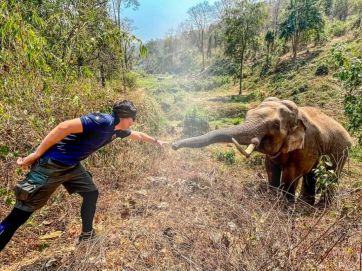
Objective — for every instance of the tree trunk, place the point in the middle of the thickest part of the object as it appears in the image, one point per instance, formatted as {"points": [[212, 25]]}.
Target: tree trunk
{"points": [[209, 46], [103, 77], [202, 50], [125, 57], [123, 74], [241, 73], [295, 43]]}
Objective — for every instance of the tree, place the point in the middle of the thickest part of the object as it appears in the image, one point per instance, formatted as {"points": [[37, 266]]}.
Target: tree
{"points": [[242, 26], [341, 9], [116, 6], [201, 18], [350, 70], [64, 39], [302, 16], [269, 40], [327, 7]]}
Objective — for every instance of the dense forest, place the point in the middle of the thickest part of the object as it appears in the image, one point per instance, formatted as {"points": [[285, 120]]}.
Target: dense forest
{"points": [[207, 209], [238, 38]]}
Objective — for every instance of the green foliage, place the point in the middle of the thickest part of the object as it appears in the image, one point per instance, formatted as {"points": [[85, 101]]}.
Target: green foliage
{"points": [[62, 39], [341, 9], [321, 70], [8, 196], [302, 16], [43, 246], [269, 41], [350, 74], [227, 156], [326, 178], [269, 37], [327, 7], [21, 43], [356, 153], [255, 160], [242, 27], [205, 84], [222, 66], [130, 80], [338, 28]]}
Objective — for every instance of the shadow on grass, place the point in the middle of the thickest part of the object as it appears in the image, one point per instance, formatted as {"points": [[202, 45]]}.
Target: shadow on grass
{"points": [[302, 60], [235, 98]]}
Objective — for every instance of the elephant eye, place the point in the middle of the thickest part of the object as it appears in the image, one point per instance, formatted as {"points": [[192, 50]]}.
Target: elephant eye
{"points": [[276, 125]]}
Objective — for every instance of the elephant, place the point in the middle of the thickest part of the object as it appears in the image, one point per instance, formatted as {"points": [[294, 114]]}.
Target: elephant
{"points": [[293, 140]]}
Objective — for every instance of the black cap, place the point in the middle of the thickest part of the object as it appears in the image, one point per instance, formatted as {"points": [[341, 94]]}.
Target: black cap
{"points": [[125, 109]]}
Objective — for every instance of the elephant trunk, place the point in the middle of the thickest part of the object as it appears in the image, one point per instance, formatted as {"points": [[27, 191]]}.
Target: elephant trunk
{"points": [[248, 133]]}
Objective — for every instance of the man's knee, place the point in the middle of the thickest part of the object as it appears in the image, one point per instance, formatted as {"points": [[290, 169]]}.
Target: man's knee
{"points": [[91, 196], [16, 218]]}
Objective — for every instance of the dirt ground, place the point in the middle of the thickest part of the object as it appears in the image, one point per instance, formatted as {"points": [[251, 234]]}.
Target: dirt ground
{"points": [[166, 210]]}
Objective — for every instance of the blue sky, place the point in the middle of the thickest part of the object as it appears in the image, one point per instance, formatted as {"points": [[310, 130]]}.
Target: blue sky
{"points": [[154, 18]]}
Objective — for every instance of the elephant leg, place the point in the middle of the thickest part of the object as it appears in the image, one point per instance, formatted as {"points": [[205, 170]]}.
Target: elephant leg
{"points": [[338, 160], [289, 182], [274, 172], [308, 188]]}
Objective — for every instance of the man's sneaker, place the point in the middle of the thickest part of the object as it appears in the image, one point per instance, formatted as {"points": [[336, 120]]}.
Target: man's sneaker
{"points": [[86, 236]]}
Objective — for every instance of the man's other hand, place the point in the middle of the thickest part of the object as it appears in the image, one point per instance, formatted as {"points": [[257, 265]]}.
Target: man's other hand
{"points": [[27, 161]]}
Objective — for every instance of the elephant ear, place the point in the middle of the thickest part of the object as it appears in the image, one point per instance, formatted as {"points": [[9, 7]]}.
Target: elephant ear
{"points": [[295, 138]]}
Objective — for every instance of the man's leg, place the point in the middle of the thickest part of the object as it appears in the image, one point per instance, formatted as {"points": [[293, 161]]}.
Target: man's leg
{"points": [[80, 182], [10, 224], [88, 209]]}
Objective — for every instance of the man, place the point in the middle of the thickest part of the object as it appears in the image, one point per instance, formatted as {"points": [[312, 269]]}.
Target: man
{"points": [[57, 159]]}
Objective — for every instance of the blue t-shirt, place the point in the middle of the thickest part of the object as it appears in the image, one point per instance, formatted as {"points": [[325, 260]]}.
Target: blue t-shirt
{"points": [[98, 130]]}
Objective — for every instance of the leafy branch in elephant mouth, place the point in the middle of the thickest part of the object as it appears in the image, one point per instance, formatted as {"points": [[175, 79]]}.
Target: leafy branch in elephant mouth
{"points": [[326, 178]]}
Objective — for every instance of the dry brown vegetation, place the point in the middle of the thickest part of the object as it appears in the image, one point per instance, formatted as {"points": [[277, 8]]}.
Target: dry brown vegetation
{"points": [[185, 212], [166, 210]]}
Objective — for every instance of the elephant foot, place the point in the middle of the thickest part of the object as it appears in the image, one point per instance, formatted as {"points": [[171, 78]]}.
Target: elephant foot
{"points": [[290, 198], [274, 190], [308, 199]]}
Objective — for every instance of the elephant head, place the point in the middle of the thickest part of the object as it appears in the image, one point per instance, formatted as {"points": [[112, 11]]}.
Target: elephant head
{"points": [[274, 127]]}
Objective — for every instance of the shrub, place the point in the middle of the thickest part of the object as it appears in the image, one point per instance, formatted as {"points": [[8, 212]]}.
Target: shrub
{"points": [[349, 73], [130, 79], [226, 156], [256, 160], [326, 177], [321, 70], [195, 123], [338, 29]]}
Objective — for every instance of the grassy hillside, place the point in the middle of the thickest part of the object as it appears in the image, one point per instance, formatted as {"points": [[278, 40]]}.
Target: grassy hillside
{"points": [[206, 209]]}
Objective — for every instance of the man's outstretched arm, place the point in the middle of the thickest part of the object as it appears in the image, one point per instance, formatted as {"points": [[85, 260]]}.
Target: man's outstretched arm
{"points": [[139, 136], [58, 133]]}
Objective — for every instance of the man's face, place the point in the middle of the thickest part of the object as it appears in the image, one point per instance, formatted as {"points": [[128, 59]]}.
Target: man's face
{"points": [[125, 123]]}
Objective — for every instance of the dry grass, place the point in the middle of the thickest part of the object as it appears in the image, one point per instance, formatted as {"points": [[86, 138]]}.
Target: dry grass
{"points": [[166, 210], [183, 211]]}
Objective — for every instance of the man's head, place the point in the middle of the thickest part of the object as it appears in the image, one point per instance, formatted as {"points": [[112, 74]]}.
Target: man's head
{"points": [[126, 112]]}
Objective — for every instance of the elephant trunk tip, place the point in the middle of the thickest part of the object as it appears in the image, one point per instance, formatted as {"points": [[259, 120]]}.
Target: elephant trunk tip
{"points": [[175, 146]]}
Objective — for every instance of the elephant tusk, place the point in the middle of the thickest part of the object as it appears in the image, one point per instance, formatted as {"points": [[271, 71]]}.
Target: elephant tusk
{"points": [[246, 152], [250, 149]]}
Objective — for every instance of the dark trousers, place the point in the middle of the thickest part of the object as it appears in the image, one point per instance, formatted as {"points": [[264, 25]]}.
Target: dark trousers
{"points": [[18, 217]]}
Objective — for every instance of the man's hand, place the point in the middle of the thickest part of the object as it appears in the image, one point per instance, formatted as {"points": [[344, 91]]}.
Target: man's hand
{"points": [[27, 161], [138, 136], [162, 143]]}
